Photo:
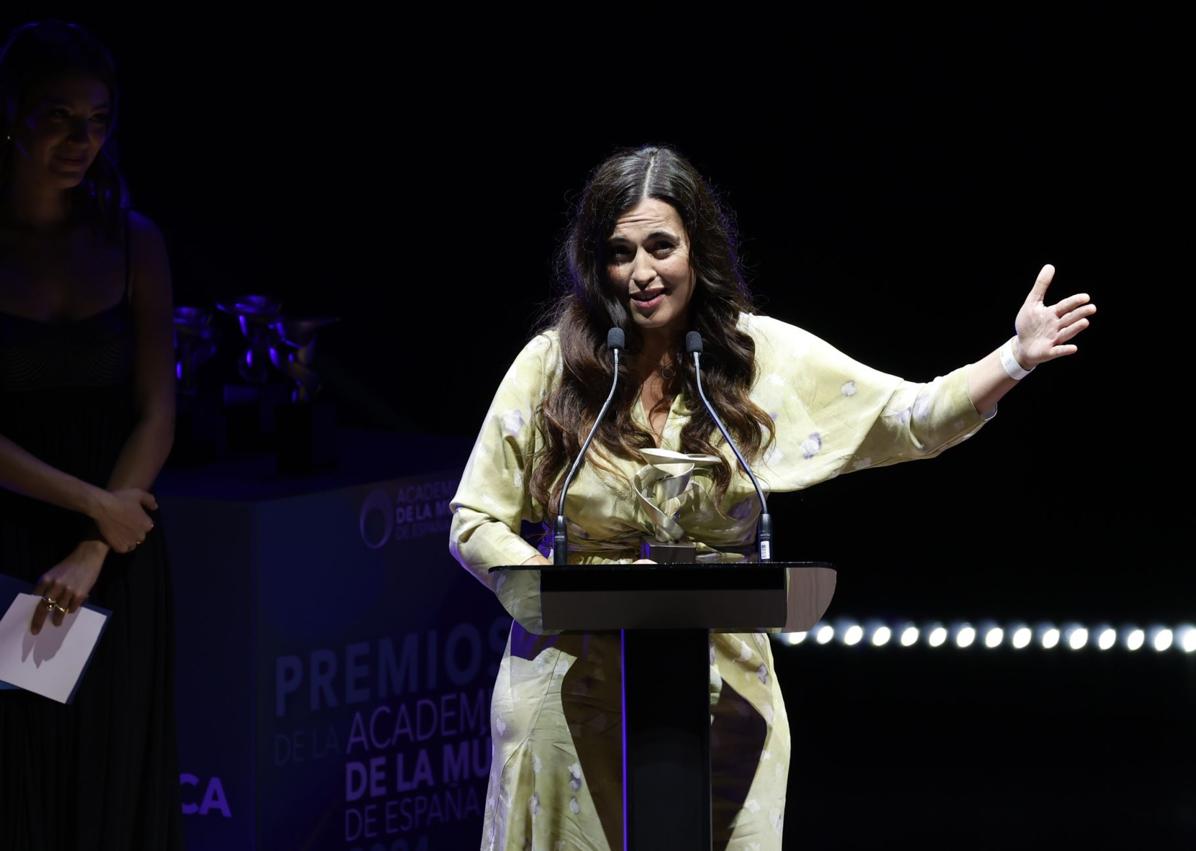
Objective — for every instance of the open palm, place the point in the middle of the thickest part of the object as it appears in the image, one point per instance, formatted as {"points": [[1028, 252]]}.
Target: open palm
{"points": [[1043, 330]]}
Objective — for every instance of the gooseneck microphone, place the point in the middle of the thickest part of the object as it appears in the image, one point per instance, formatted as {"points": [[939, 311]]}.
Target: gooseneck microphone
{"points": [[693, 346], [615, 341]]}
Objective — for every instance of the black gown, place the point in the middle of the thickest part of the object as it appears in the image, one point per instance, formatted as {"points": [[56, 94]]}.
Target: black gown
{"points": [[100, 773]]}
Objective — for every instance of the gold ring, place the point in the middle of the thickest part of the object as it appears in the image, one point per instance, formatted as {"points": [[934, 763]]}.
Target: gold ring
{"points": [[58, 608]]}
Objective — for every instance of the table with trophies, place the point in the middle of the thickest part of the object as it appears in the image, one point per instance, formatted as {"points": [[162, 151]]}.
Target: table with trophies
{"points": [[314, 599]]}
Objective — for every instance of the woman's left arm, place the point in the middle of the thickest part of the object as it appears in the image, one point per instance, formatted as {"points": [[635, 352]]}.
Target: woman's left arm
{"points": [[1043, 332], [148, 444]]}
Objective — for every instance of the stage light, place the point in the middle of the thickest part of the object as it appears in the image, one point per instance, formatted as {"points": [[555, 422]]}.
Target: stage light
{"points": [[992, 634], [965, 634], [1132, 638], [1020, 636], [937, 635], [1187, 638], [1076, 636], [853, 634], [880, 635], [1048, 636], [1161, 638], [909, 635]]}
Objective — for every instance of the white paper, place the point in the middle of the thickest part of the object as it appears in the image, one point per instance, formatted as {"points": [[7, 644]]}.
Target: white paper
{"points": [[50, 662]]}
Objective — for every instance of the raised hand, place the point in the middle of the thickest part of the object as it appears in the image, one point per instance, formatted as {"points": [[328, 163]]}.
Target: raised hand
{"points": [[1043, 330]]}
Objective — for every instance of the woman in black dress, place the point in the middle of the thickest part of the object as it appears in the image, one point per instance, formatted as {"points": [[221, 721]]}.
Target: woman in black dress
{"points": [[86, 422]]}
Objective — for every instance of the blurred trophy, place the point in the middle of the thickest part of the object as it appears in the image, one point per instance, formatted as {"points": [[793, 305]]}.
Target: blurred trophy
{"points": [[200, 424], [307, 424], [250, 404]]}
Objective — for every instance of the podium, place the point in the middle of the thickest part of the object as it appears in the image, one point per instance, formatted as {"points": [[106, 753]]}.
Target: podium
{"points": [[667, 611]]}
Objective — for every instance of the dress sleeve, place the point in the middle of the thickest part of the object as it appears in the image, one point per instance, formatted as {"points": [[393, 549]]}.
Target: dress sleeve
{"points": [[492, 499], [833, 414]]}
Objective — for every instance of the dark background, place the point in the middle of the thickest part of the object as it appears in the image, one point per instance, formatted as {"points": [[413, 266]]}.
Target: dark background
{"points": [[898, 183]]}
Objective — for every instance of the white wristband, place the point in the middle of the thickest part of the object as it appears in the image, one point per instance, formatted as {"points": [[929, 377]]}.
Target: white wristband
{"points": [[1012, 368]]}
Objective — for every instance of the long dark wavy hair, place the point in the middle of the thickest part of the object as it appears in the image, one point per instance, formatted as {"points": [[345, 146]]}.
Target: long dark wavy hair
{"points": [[589, 306], [40, 51]]}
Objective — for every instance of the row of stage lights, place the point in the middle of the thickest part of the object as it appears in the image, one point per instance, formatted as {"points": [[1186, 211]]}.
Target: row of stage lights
{"points": [[1019, 636]]}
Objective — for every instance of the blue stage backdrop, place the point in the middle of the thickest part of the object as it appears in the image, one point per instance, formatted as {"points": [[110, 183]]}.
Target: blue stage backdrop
{"points": [[335, 664]]}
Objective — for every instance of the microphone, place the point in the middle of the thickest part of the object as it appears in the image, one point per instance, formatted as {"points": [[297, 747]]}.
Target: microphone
{"points": [[693, 346], [615, 341]]}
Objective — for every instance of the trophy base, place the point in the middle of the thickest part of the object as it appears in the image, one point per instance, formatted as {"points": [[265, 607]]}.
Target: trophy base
{"points": [[668, 553], [306, 437], [250, 411], [200, 431]]}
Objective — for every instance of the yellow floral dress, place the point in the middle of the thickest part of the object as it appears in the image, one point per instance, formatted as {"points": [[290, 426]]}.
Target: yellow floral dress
{"points": [[555, 779]]}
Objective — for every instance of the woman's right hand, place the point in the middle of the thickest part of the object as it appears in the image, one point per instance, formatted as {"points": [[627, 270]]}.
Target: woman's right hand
{"points": [[122, 519]]}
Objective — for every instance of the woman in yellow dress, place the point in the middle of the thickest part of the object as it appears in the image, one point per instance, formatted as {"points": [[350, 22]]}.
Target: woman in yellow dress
{"points": [[649, 250]]}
